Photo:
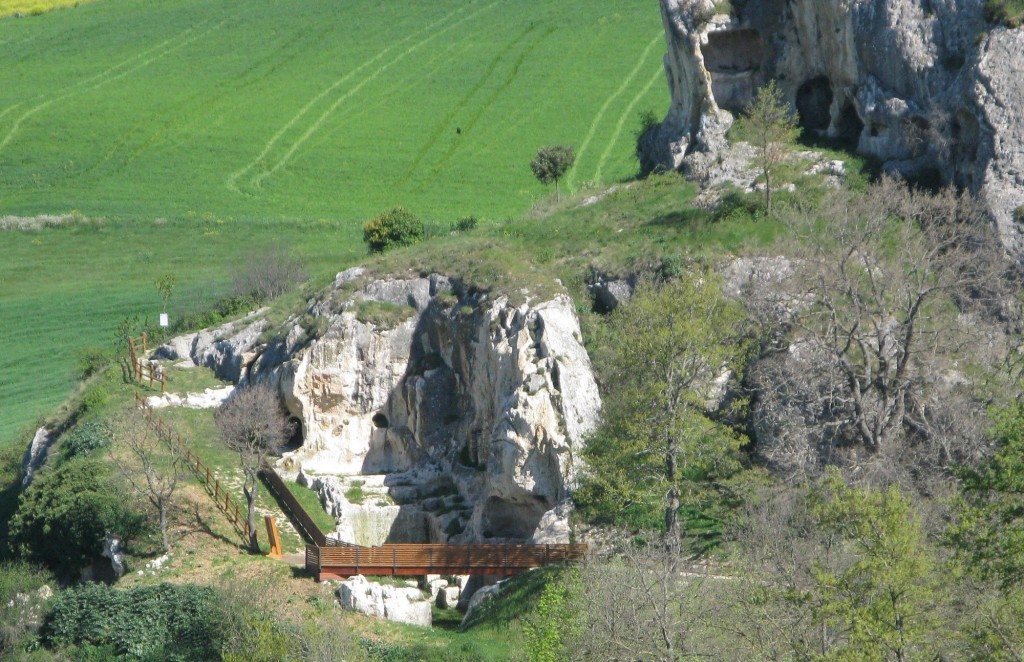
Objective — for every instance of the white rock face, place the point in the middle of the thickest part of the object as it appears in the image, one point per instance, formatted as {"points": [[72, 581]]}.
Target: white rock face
{"points": [[36, 454], [402, 605], [470, 423], [210, 398], [918, 85]]}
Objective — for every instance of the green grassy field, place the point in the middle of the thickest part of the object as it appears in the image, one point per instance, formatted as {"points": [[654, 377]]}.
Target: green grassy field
{"points": [[324, 108], [196, 130]]}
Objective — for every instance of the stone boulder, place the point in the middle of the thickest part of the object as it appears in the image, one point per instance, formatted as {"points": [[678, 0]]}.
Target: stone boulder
{"points": [[399, 604]]}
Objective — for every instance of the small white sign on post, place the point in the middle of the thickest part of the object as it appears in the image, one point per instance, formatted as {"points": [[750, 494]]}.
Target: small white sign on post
{"points": [[163, 319]]}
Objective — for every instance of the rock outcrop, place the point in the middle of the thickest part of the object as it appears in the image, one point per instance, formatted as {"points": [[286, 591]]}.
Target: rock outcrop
{"points": [[918, 84], [394, 603], [464, 413]]}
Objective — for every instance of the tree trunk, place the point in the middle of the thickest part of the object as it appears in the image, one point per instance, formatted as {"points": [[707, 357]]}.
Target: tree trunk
{"points": [[163, 525], [672, 533], [250, 500], [768, 192]]}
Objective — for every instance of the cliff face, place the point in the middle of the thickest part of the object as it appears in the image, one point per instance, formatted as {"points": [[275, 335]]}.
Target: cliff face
{"points": [[467, 414], [916, 83]]}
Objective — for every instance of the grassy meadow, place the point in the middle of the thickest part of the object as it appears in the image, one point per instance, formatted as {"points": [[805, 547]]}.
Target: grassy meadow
{"points": [[187, 133]]}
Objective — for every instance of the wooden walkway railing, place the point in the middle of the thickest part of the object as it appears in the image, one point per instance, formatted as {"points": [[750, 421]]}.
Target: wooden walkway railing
{"points": [[142, 370], [438, 559], [300, 519], [221, 497]]}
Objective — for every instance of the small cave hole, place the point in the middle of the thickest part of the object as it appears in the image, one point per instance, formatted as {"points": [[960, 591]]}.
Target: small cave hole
{"points": [[850, 126], [296, 437], [379, 420], [813, 103], [733, 51]]}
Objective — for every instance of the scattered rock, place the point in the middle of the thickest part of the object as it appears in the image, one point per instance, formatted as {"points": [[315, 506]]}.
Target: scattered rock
{"points": [[402, 605]]}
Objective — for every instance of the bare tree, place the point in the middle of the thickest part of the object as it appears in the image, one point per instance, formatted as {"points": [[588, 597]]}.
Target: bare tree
{"points": [[253, 425], [150, 464], [880, 296], [638, 606], [269, 273]]}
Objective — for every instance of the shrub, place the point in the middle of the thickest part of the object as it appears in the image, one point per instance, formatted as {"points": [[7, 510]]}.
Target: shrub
{"points": [[464, 224], [92, 361], [382, 314], [1018, 214], [395, 227], [84, 439], [65, 514], [268, 274], [1006, 12], [20, 616], [165, 622]]}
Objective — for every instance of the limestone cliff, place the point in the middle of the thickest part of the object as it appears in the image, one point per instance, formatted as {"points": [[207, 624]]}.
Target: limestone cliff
{"points": [[916, 83], [468, 412]]}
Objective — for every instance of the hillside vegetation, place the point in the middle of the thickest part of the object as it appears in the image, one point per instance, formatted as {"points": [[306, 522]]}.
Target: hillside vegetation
{"points": [[198, 132]]}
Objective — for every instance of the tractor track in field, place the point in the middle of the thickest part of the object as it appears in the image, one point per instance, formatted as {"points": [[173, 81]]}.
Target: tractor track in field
{"points": [[232, 181], [483, 108], [111, 74], [658, 75], [570, 180], [448, 119], [318, 122]]}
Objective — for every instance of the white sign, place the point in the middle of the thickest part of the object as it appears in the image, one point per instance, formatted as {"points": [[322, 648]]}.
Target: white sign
{"points": [[163, 319]]}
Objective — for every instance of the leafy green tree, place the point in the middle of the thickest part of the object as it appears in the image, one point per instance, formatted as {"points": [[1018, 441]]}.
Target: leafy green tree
{"points": [[395, 227], [657, 444], [770, 126], [556, 621], [165, 288], [551, 163], [885, 602], [66, 513], [989, 531]]}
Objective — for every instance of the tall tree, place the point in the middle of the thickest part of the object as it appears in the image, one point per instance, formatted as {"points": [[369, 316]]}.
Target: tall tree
{"points": [[254, 426], [551, 163], [150, 464], [770, 126], [657, 443]]}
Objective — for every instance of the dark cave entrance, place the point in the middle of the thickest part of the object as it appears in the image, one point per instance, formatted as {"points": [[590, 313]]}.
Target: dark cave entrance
{"points": [[814, 102]]}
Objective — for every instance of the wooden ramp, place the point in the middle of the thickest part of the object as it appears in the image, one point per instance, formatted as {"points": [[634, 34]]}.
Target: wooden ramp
{"points": [[438, 559]]}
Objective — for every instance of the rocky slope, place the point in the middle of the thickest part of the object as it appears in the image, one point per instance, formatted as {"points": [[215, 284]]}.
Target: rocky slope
{"points": [[463, 414], [918, 84]]}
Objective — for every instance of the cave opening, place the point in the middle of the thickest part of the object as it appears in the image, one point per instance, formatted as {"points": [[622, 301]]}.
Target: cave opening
{"points": [[814, 102], [379, 420], [295, 434], [849, 127], [733, 51]]}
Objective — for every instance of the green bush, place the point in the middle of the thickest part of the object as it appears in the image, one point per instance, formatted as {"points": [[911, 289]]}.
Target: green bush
{"points": [[465, 224], [164, 622], [65, 514], [84, 439], [1018, 214], [91, 361], [1006, 12], [395, 227]]}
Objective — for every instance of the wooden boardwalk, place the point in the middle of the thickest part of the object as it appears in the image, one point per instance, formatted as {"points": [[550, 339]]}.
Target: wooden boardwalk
{"points": [[435, 559]]}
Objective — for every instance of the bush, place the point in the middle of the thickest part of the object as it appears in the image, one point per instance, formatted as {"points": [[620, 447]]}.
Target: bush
{"points": [[65, 514], [464, 224], [268, 274], [20, 616], [1018, 214], [1006, 12], [395, 227], [165, 622], [92, 361], [84, 439]]}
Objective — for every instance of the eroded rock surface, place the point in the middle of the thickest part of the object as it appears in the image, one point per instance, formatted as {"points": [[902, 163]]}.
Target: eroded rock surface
{"points": [[920, 85]]}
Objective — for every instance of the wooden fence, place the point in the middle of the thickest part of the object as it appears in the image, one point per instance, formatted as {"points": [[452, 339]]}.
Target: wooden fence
{"points": [[221, 497], [436, 559], [303, 523], [143, 370]]}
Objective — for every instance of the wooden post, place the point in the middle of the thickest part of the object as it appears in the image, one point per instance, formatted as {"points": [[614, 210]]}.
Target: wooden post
{"points": [[144, 350], [275, 541], [394, 561]]}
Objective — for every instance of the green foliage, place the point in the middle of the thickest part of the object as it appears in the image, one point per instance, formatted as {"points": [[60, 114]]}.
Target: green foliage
{"points": [[465, 224], [657, 445], [1018, 214], [165, 288], [20, 618], [551, 163], [555, 622], [771, 127], [83, 439], [391, 229], [355, 493], [989, 532], [166, 622], [885, 599], [91, 361], [258, 639], [1007, 12], [382, 314], [65, 514]]}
